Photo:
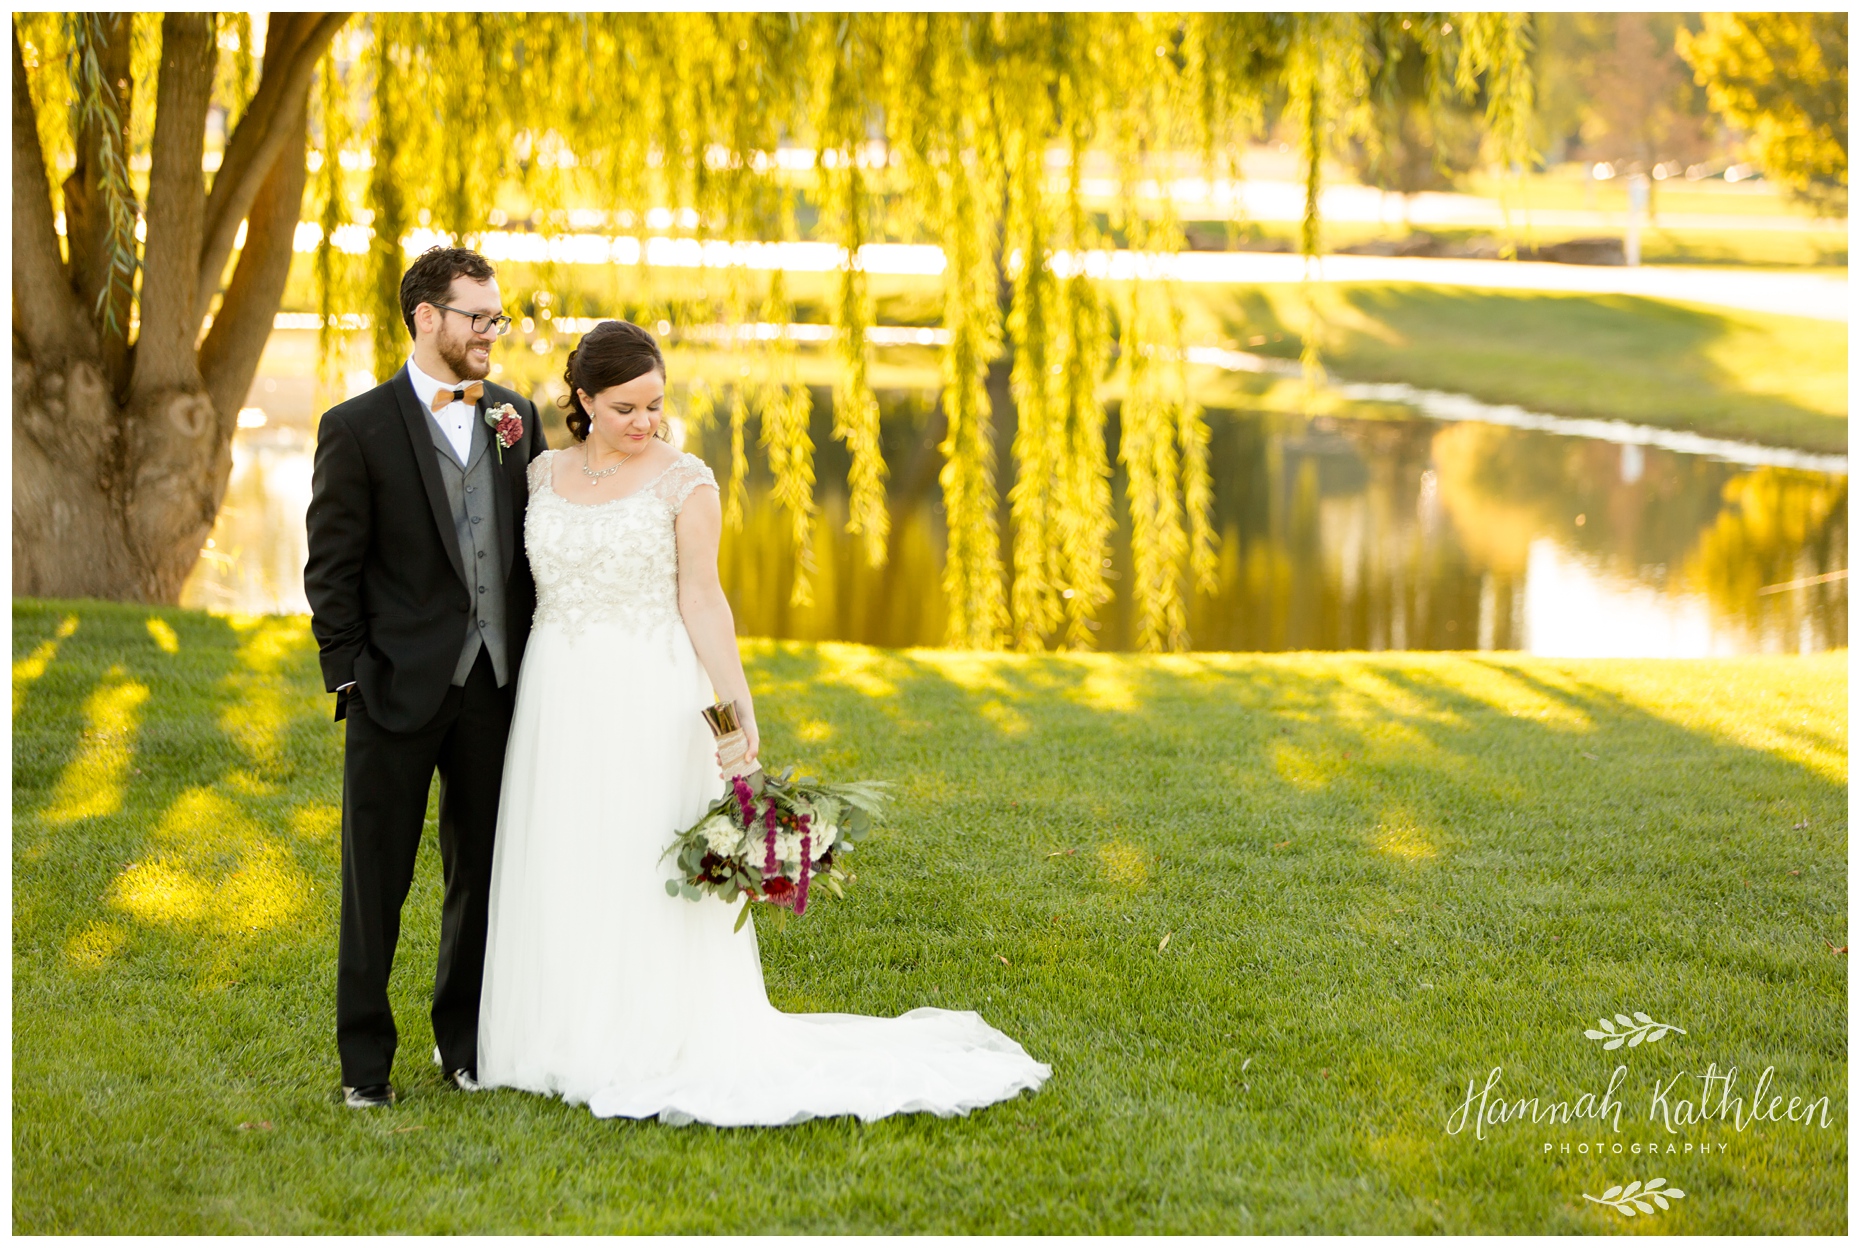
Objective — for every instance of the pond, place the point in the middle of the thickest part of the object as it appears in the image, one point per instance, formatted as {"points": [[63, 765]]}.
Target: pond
{"points": [[1335, 533]]}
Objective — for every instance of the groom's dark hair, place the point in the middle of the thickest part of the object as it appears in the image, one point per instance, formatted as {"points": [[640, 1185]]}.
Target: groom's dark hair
{"points": [[429, 279]]}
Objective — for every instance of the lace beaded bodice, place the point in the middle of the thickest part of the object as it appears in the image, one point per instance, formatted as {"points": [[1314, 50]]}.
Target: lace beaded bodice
{"points": [[615, 561]]}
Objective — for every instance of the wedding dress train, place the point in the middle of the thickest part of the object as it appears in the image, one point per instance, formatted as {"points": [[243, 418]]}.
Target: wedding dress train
{"points": [[598, 987]]}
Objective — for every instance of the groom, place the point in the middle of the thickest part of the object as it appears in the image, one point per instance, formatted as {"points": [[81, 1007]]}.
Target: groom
{"points": [[420, 599]]}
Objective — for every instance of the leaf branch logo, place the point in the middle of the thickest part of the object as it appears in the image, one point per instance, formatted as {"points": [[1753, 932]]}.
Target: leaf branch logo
{"points": [[1627, 1200], [1633, 1031]]}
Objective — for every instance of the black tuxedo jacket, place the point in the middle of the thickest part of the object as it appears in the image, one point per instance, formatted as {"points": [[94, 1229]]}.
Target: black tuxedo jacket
{"points": [[389, 598]]}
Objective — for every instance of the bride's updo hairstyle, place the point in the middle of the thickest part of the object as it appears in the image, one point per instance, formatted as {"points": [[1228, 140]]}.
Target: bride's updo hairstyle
{"points": [[610, 354]]}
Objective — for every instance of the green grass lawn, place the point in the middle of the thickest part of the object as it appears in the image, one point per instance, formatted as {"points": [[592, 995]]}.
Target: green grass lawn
{"points": [[1378, 877], [1781, 380]]}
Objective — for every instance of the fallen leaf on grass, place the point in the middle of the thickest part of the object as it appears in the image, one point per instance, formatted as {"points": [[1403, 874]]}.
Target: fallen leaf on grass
{"points": [[1165, 942], [404, 1130], [1004, 961], [1325, 1073], [255, 1126], [1589, 756], [1831, 945], [1281, 844], [1801, 825], [1795, 873], [1058, 852]]}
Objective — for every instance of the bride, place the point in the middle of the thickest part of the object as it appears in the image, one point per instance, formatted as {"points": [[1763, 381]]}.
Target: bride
{"points": [[598, 987]]}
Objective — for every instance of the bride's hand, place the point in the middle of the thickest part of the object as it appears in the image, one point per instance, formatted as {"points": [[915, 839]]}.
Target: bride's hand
{"points": [[753, 739]]}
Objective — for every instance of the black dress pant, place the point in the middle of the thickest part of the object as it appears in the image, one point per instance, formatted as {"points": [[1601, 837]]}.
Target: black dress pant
{"points": [[385, 778]]}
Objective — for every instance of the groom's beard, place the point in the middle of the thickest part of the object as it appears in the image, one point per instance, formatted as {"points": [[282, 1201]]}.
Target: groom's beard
{"points": [[456, 353]]}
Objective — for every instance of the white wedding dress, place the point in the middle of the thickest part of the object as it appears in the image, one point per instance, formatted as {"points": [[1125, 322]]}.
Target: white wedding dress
{"points": [[598, 987]]}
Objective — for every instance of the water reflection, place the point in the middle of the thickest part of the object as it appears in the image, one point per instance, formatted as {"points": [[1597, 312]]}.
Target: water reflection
{"points": [[254, 560], [1335, 534]]}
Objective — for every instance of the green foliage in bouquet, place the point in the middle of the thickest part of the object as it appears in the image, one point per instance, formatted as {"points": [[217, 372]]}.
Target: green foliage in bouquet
{"points": [[770, 837]]}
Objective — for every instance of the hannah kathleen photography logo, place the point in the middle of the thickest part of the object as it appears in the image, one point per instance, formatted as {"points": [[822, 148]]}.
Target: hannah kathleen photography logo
{"points": [[1678, 1105]]}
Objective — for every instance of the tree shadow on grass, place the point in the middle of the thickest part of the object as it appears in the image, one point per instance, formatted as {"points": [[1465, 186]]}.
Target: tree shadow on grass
{"points": [[170, 899], [1377, 874], [1263, 914]]}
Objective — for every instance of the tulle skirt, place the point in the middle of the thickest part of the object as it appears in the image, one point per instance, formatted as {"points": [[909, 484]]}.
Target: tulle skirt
{"points": [[603, 990]]}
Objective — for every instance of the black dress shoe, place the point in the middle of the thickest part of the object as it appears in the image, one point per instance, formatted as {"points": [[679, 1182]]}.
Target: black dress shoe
{"points": [[373, 1096]]}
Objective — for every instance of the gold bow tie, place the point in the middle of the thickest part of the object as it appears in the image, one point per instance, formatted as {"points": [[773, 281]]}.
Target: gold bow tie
{"points": [[470, 393]]}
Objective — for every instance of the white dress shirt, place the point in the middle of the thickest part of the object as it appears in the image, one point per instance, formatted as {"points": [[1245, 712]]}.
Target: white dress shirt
{"points": [[454, 418]]}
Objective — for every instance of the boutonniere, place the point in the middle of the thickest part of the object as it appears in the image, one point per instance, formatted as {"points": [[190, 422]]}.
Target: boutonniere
{"points": [[509, 426]]}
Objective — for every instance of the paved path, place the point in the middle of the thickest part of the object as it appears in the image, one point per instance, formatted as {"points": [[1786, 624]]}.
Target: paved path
{"points": [[1819, 295], [1816, 295]]}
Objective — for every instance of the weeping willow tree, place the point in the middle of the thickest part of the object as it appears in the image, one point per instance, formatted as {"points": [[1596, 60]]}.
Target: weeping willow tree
{"points": [[971, 131], [143, 292]]}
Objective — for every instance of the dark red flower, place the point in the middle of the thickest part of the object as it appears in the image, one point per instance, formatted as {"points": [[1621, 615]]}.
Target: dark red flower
{"points": [[800, 897], [745, 801], [769, 865], [509, 429]]}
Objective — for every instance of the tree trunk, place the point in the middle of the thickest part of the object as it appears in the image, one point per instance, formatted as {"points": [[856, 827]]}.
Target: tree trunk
{"points": [[117, 478]]}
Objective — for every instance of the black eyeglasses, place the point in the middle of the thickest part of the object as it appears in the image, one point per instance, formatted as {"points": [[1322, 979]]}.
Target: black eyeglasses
{"points": [[482, 322]]}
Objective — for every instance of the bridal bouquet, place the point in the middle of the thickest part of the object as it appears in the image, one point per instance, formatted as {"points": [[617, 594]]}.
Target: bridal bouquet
{"points": [[771, 838]]}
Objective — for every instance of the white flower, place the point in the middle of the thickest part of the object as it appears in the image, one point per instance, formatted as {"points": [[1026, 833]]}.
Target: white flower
{"points": [[823, 840], [722, 835], [788, 847]]}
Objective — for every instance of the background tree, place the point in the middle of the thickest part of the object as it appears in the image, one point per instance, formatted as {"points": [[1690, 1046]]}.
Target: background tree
{"points": [[1614, 88], [1421, 133], [1782, 79], [123, 412], [1644, 109]]}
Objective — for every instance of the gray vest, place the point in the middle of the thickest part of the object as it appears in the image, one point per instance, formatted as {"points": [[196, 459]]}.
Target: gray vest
{"points": [[472, 491]]}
